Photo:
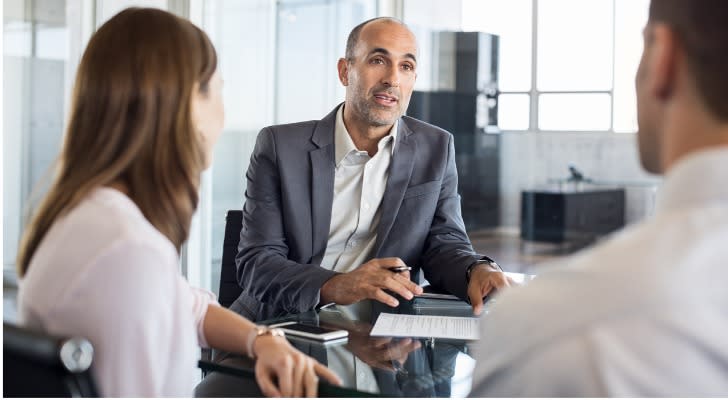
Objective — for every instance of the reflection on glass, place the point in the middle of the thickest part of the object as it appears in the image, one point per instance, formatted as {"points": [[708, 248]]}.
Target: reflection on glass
{"points": [[17, 38], [35, 54], [52, 42], [311, 38], [242, 34], [396, 367], [574, 112], [575, 45]]}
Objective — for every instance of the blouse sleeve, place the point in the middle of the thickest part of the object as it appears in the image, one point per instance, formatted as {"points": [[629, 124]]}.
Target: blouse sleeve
{"points": [[201, 299]]}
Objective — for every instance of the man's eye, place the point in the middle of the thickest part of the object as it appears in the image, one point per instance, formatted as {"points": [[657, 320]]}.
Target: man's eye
{"points": [[377, 61], [408, 67]]}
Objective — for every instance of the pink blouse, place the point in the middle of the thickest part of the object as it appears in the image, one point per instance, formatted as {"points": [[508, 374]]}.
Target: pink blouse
{"points": [[105, 273]]}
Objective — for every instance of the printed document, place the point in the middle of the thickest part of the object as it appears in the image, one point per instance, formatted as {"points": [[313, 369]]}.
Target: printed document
{"points": [[425, 326]]}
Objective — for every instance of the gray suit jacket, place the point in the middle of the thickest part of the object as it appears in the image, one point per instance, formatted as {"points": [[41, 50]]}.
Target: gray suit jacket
{"points": [[287, 214]]}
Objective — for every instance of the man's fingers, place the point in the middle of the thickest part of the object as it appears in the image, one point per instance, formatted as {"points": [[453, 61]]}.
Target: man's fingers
{"points": [[382, 297], [391, 262], [380, 342], [476, 298], [404, 347], [411, 286], [503, 282], [395, 285]]}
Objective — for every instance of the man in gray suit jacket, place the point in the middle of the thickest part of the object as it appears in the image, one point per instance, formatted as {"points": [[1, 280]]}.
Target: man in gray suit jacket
{"points": [[333, 205]]}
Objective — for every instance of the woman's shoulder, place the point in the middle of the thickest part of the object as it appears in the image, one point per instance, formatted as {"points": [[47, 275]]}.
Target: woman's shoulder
{"points": [[105, 237]]}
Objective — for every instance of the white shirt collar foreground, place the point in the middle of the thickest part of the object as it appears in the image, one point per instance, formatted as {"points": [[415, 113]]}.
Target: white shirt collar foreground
{"points": [[642, 314]]}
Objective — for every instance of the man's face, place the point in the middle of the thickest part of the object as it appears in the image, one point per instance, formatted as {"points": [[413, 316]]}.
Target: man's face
{"points": [[648, 114], [380, 77]]}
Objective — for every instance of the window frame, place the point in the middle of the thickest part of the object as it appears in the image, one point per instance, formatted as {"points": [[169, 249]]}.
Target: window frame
{"points": [[535, 94]]}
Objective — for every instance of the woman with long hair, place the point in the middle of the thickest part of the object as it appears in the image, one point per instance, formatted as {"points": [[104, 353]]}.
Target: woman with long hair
{"points": [[100, 257]]}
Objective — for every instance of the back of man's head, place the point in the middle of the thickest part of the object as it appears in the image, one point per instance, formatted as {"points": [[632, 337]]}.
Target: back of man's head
{"points": [[702, 28]]}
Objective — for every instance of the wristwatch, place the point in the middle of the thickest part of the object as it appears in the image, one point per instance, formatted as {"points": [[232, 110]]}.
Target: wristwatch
{"points": [[486, 261], [258, 331]]}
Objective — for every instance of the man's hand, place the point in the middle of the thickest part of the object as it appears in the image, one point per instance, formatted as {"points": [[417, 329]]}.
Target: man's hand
{"points": [[382, 353], [369, 281], [484, 279]]}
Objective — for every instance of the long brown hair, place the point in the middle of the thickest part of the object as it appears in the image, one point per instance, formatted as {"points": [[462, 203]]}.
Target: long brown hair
{"points": [[131, 122]]}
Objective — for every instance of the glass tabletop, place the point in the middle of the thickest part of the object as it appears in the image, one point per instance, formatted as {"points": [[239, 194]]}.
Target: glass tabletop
{"points": [[372, 366]]}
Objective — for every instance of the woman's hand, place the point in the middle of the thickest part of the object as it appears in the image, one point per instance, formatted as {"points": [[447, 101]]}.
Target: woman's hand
{"points": [[283, 371]]}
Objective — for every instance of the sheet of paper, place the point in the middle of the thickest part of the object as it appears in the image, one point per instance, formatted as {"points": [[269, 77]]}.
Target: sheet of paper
{"points": [[427, 326]]}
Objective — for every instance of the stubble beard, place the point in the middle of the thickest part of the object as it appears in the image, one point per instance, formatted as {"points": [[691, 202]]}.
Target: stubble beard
{"points": [[368, 112]]}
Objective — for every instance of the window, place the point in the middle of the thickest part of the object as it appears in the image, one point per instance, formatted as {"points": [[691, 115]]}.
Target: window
{"points": [[565, 65], [35, 53]]}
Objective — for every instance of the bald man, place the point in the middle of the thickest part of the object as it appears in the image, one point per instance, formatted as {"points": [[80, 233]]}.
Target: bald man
{"points": [[334, 207]]}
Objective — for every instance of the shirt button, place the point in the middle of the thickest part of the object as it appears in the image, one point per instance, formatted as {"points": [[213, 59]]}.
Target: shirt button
{"points": [[366, 206]]}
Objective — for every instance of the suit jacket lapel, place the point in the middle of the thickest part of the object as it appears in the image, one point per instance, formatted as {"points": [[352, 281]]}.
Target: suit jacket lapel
{"points": [[322, 184], [400, 171]]}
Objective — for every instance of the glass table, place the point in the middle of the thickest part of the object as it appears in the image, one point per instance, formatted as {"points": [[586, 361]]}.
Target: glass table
{"points": [[369, 366]]}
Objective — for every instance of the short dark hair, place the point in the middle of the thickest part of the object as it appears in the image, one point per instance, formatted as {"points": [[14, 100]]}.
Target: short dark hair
{"points": [[353, 38], [702, 28]]}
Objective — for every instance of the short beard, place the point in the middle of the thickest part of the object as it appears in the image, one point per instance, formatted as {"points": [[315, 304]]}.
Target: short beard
{"points": [[366, 111]]}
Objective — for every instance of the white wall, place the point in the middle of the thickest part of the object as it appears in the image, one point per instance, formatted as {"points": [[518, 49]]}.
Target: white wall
{"points": [[14, 128], [530, 159]]}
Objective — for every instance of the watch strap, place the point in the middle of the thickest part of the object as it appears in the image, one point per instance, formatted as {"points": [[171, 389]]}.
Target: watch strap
{"points": [[484, 260], [255, 333]]}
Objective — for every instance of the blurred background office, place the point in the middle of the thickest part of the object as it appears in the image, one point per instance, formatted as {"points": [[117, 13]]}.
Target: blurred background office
{"points": [[547, 85]]}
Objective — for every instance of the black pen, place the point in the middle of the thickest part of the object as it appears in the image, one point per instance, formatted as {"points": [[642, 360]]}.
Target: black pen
{"points": [[400, 268]]}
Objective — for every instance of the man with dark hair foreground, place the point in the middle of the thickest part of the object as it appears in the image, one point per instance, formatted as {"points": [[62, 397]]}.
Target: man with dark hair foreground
{"points": [[643, 314]]}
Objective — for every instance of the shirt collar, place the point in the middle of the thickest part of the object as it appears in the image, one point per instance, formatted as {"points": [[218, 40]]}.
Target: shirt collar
{"points": [[343, 145], [697, 179]]}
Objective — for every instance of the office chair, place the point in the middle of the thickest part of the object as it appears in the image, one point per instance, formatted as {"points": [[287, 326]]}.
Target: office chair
{"points": [[229, 287], [40, 365]]}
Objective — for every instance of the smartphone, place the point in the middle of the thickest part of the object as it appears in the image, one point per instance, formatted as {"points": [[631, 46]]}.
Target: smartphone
{"points": [[311, 331]]}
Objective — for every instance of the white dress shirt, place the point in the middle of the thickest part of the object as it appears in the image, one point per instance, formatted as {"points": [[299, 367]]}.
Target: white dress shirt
{"points": [[359, 184], [643, 314], [103, 272]]}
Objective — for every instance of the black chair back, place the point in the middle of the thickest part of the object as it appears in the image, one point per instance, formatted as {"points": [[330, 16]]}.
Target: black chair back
{"points": [[229, 287], [40, 365]]}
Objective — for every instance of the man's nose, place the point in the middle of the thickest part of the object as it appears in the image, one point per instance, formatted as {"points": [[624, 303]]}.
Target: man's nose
{"points": [[391, 78]]}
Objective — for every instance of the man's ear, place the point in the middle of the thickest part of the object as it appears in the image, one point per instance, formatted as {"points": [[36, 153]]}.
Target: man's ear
{"points": [[343, 67], [663, 61]]}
